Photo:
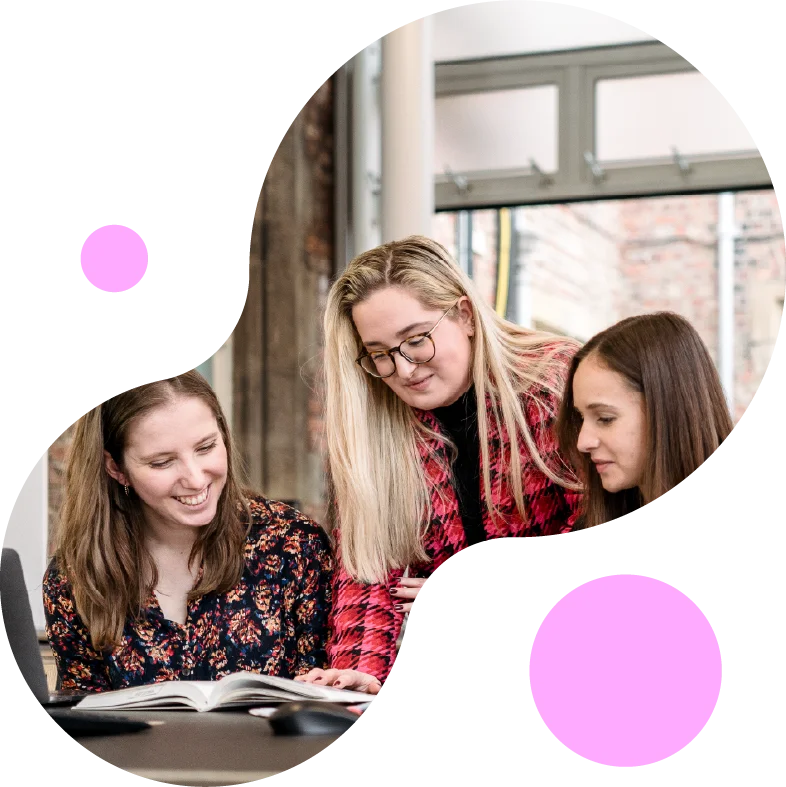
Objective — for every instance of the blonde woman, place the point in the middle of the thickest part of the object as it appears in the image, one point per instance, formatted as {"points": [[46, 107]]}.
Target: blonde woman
{"points": [[439, 434], [166, 569]]}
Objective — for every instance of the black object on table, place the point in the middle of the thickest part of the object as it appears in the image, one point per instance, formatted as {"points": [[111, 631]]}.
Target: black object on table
{"points": [[311, 718], [78, 725]]}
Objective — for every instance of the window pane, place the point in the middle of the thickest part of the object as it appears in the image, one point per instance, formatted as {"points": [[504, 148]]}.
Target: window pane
{"points": [[499, 129], [643, 117], [443, 230], [485, 254]]}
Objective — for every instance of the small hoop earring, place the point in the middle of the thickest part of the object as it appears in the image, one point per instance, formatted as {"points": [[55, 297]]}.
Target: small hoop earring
{"points": [[125, 486]]}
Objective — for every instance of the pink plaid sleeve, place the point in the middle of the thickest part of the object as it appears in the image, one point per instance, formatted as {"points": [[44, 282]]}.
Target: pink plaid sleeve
{"points": [[364, 626]]}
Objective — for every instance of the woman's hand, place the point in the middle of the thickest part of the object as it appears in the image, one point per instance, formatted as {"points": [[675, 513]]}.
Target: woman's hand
{"points": [[342, 679], [408, 588]]}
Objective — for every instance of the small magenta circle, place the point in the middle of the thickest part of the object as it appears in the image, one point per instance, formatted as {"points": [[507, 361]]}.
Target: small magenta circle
{"points": [[114, 258]]}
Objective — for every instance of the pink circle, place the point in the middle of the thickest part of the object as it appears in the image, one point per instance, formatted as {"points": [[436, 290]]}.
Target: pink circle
{"points": [[114, 258], [625, 670]]}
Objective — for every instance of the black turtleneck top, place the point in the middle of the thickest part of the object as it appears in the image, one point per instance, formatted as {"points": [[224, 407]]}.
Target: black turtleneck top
{"points": [[460, 421]]}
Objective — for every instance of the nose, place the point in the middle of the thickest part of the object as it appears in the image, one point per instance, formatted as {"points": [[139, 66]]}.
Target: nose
{"points": [[193, 476], [588, 440], [404, 368]]}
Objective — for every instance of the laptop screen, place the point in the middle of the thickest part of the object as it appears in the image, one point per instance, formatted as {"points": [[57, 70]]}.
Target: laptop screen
{"points": [[19, 626]]}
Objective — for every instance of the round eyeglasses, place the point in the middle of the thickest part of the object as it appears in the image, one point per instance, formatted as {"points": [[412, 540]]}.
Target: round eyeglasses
{"points": [[418, 349]]}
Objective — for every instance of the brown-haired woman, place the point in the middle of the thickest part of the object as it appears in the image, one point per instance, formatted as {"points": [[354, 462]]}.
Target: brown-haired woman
{"points": [[165, 567], [643, 408]]}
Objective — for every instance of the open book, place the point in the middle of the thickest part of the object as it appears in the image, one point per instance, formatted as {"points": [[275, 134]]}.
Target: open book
{"points": [[241, 689]]}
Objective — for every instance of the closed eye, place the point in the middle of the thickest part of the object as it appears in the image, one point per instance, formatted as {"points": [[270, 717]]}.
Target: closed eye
{"points": [[205, 449]]}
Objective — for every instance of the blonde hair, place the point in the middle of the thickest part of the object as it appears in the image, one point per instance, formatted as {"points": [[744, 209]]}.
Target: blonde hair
{"points": [[100, 544], [382, 499]]}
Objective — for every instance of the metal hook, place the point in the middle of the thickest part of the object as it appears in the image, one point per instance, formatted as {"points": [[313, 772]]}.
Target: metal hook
{"points": [[459, 181], [545, 180], [374, 183], [597, 171], [683, 166]]}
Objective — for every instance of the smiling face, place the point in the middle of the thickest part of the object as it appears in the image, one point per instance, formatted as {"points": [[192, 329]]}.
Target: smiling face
{"points": [[390, 315], [176, 462], [614, 427]]}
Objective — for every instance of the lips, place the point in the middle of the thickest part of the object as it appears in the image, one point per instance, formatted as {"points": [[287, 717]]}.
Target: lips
{"points": [[418, 384], [601, 465]]}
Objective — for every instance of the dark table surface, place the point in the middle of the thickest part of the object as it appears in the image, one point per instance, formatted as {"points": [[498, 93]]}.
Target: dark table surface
{"points": [[203, 749]]}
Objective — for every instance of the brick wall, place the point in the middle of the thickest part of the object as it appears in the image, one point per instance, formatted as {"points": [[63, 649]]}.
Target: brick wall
{"points": [[443, 230], [574, 266], [587, 265], [669, 260], [760, 273]]}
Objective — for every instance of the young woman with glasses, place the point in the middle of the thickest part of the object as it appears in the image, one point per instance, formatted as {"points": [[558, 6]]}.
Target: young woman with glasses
{"points": [[439, 434]]}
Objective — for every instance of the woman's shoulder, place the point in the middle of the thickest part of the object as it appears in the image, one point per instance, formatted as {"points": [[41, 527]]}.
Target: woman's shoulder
{"points": [[542, 374], [273, 519], [544, 368], [552, 355]]}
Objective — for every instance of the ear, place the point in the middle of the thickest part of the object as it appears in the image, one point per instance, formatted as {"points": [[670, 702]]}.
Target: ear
{"points": [[114, 471], [466, 315]]}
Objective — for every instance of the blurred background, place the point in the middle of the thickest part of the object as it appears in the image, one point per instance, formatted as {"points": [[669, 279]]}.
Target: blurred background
{"points": [[577, 169]]}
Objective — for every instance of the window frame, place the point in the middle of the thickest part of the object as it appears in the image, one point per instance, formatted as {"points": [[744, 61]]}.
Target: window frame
{"points": [[575, 73]]}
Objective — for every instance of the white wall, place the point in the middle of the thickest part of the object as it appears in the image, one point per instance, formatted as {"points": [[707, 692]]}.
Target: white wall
{"points": [[517, 27], [27, 534]]}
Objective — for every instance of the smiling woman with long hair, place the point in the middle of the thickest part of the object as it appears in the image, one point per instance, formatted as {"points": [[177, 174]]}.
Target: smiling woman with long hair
{"points": [[166, 568], [643, 409]]}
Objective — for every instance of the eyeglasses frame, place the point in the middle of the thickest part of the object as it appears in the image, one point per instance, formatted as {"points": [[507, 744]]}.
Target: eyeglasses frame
{"points": [[398, 349]]}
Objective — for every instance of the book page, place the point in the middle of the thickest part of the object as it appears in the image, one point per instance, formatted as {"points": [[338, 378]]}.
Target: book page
{"points": [[312, 691], [285, 688], [192, 694]]}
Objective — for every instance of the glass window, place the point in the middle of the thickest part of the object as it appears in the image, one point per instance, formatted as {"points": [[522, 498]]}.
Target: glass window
{"points": [[644, 117], [500, 129], [577, 268]]}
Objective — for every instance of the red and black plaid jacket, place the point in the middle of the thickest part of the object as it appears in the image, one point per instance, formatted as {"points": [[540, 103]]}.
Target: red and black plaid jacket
{"points": [[364, 624]]}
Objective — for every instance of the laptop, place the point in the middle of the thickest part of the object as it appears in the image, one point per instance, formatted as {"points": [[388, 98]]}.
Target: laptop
{"points": [[19, 626]]}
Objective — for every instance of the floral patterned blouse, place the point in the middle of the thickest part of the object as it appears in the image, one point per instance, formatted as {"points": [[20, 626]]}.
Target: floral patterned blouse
{"points": [[273, 621]]}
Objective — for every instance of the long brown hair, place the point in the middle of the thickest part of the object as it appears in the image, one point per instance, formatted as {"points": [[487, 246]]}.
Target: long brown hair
{"points": [[100, 543], [662, 357]]}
